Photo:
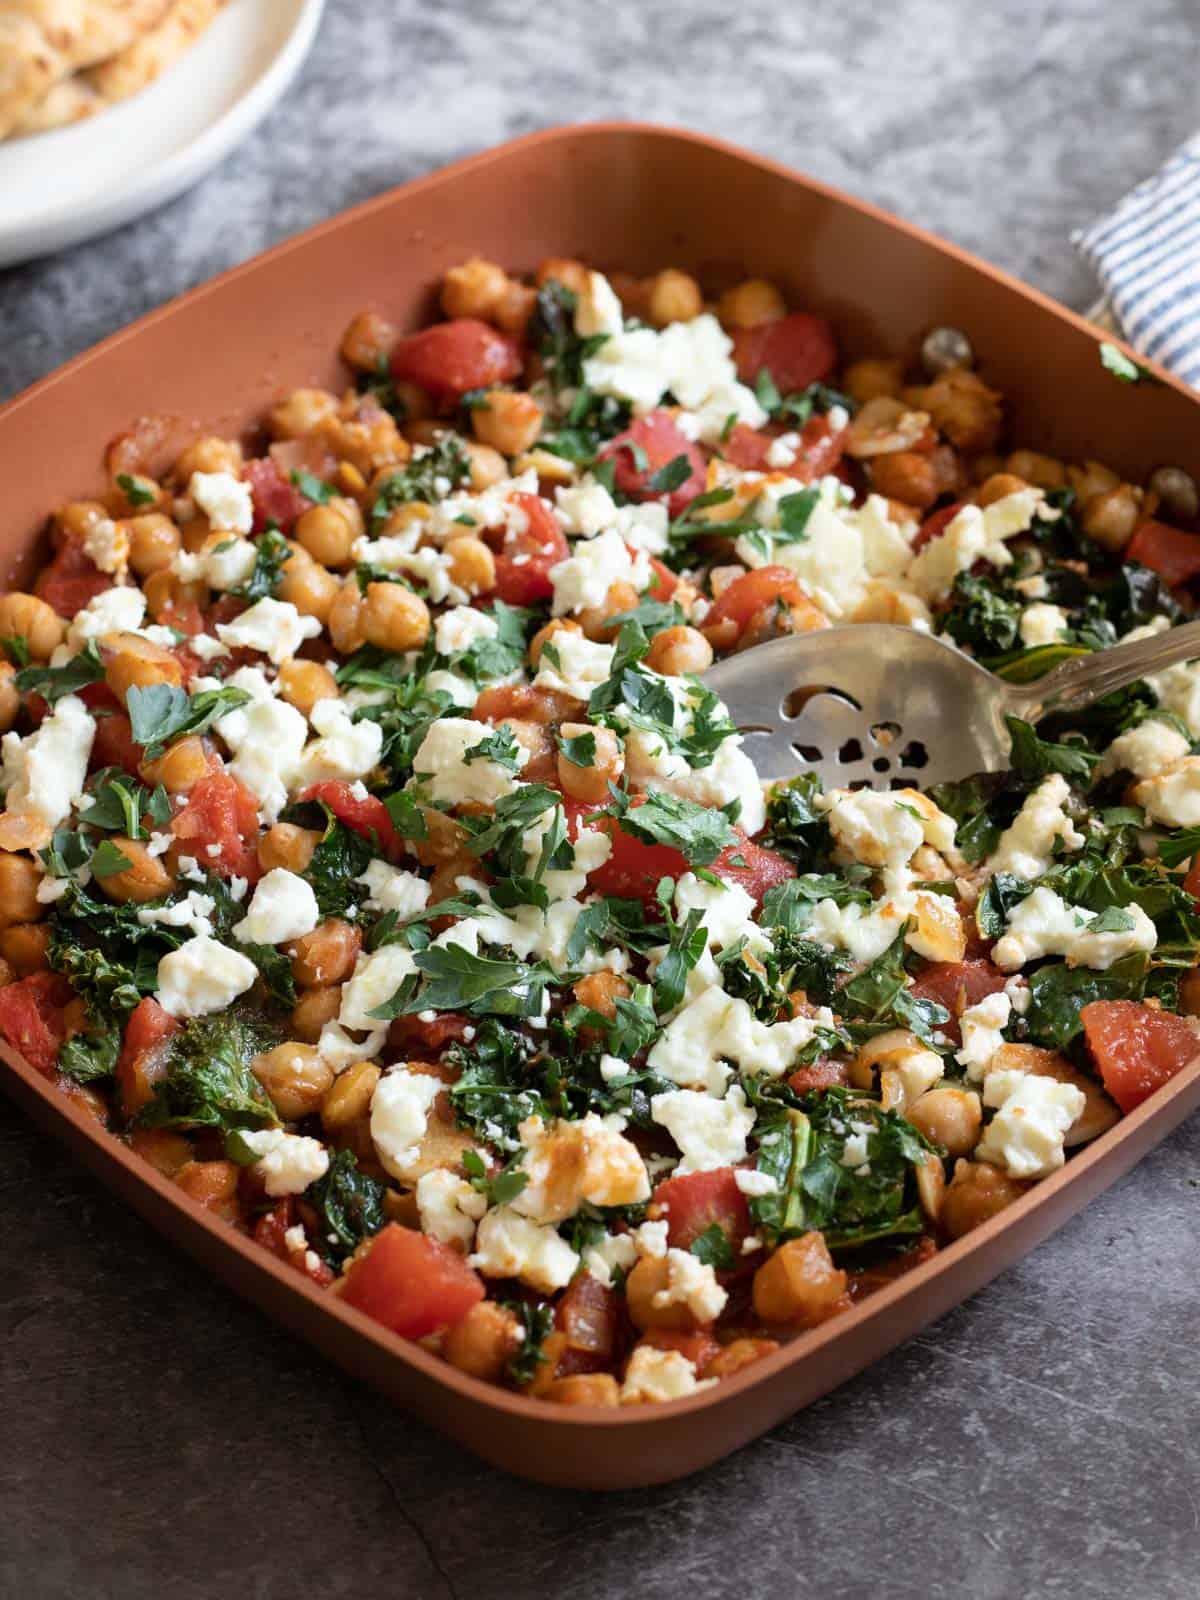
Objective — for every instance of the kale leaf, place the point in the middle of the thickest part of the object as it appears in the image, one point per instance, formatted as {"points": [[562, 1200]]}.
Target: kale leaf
{"points": [[349, 1204]]}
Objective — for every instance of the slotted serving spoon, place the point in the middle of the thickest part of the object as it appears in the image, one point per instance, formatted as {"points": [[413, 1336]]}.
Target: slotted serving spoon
{"points": [[881, 704]]}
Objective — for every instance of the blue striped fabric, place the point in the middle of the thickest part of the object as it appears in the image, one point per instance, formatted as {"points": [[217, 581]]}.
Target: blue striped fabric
{"points": [[1146, 254]]}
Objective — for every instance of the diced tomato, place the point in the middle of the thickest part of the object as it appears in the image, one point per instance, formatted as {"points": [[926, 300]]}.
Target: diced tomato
{"points": [[271, 1230], [224, 610], [1174, 555], [958, 985], [184, 619], [755, 867], [452, 357], [745, 597], [221, 811], [71, 579], [697, 1200], [31, 1018], [663, 582], [699, 1348], [821, 1074], [1137, 1048], [276, 497], [818, 453], [1192, 881], [144, 1054], [411, 1283], [448, 1027], [524, 561], [590, 1315], [114, 746], [936, 524], [653, 442], [366, 814], [796, 351]]}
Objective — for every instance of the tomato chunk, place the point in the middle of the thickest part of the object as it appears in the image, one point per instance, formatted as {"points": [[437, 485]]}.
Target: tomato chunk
{"points": [[31, 1018], [1174, 555], [1192, 881], [936, 524], [699, 1348], [144, 1052], [448, 1027], [114, 744], [452, 357], [411, 1283], [796, 351], [71, 580], [698, 1200], [221, 811], [526, 557], [1136, 1047], [823, 1074], [276, 498], [650, 444], [958, 985], [755, 867], [818, 453], [590, 1316], [745, 597], [366, 815]]}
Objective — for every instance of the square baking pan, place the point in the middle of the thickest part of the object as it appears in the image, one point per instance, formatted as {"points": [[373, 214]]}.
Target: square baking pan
{"points": [[625, 197]]}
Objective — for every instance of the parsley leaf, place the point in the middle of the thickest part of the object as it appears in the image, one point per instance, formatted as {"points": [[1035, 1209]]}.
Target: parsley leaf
{"points": [[1032, 758], [271, 552], [580, 750], [699, 833], [456, 980], [134, 492], [52, 683], [1124, 367], [162, 712]]}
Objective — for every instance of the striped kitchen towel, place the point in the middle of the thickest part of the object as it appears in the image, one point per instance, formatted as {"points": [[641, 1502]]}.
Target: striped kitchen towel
{"points": [[1146, 254]]}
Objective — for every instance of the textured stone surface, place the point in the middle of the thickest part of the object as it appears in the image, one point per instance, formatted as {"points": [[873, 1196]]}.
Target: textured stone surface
{"points": [[161, 1438]]}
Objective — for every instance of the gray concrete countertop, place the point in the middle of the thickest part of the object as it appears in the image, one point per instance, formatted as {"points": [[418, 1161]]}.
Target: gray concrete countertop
{"points": [[161, 1438]]}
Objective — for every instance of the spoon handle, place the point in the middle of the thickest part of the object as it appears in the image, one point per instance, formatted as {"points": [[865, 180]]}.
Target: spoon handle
{"points": [[1077, 683]]}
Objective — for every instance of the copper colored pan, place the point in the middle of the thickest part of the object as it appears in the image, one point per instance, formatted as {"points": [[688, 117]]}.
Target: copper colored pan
{"points": [[635, 198]]}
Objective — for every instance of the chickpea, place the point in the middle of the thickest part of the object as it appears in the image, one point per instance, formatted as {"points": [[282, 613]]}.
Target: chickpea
{"points": [[589, 781], [326, 955], [302, 413], [347, 618], [426, 430], [553, 471], [513, 312], [10, 697], [328, 534], [867, 380], [482, 1342], [1092, 478], [179, 768], [349, 1096], [985, 466], [295, 1077], [583, 1389], [471, 564], [288, 846], [645, 1282], [146, 877], [600, 991], [476, 289], [800, 1284], [998, 487], [310, 587], [77, 518], [23, 947], [154, 542], [165, 1150], [906, 475], [672, 296], [24, 616], [675, 651], [536, 740], [488, 466], [303, 683], [19, 879], [508, 421], [597, 621], [166, 593], [211, 1184], [368, 442], [571, 274], [313, 1009], [976, 1193], [546, 633], [1110, 518], [133, 662], [949, 1117], [751, 303], [209, 454], [444, 839], [1044, 472], [394, 618], [443, 882], [369, 339], [963, 408]]}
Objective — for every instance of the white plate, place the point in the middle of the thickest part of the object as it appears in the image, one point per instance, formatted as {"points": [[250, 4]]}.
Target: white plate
{"points": [[57, 189]]}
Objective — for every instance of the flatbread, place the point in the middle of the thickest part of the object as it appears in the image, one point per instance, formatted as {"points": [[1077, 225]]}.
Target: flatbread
{"points": [[42, 42], [129, 71]]}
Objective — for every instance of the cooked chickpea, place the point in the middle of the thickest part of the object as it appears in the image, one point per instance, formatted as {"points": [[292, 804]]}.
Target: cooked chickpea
{"points": [[583, 1389], [310, 587], [394, 618], [208, 455], [483, 1341], [326, 955], [23, 947], [515, 308], [327, 533], [369, 339], [303, 683], [471, 564], [588, 781], [154, 542], [145, 877], [1110, 518], [600, 991], [10, 696], [537, 741], [488, 466], [77, 518], [211, 1184], [1092, 478], [738, 1353], [868, 380], [1044, 472], [1189, 993], [508, 421], [426, 430], [570, 273], [998, 487], [313, 1009], [349, 1096], [800, 1284], [675, 651], [597, 621], [166, 593], [908, 476], [645, 1283], [179, 768], [476, 289], [368, 442], [546, 633], [976, 1193], [19, 878], [24, 616], [347, 618], [673, 296], [949, 1117], [302, 413], [963, 408], [295, 1077], [288, 846], [133, 662], [443, 881], [753, 302]]}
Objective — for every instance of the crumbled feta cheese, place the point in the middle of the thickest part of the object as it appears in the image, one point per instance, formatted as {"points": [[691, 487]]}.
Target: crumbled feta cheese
{"points": [[1026, 847], [115, 610], [194, 911], [594, 565], [597, 308], [202, 976], [339, 1051], [459, 628], [440, 759], [106, 544], [691, 1283], [716, 1027], [267, 738], [754, 1184], [977, 533], [1043, 624], [1020, 995], [1150, 749], [282, 907], [865, 933], [731, 775], [982, 1035], [226, 501], [392, 889], [1043, 924], [461, 691], [376, 977], [587, 508], [346, 749], [287, 1162], [1174, 797], [449, 1208], [726, 910], [657, 1375], [1032, 1117], [782, 452], [583, 665], [273, 627], [710, 1132], [569, 1163], [511, 1246], [651, 1238], [854, 1151], [43, 773], [616, 1252], [399, 1114]]}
